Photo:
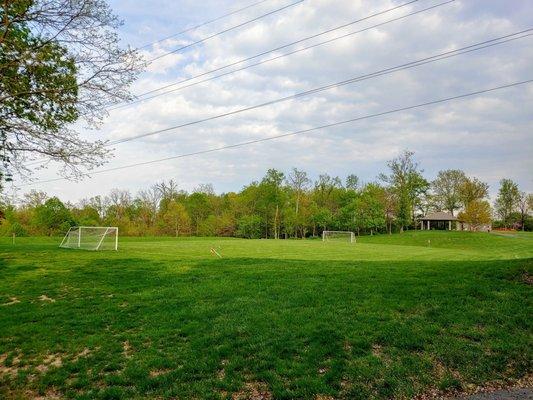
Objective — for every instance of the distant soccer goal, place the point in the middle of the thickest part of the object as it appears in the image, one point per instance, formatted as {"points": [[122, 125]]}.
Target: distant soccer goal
{"points": [[338, 236], [91, 238]]}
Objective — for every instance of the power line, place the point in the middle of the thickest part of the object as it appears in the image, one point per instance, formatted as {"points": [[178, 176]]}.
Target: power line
{"points": [[277, 49], [301, 132], [37, 162], [412, 64], [386, 71], [227, 30], [204, 24]]}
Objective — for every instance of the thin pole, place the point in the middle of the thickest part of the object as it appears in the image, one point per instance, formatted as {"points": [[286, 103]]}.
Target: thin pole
{"points": [[13, 238], [116, 239], [79, 237]]}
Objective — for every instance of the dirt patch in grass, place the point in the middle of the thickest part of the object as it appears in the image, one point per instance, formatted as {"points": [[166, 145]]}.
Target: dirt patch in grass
{"points": [[347, 346], [51, 360], [158, 372], [527, 278], [127, 349], [82, 354], [44, 297], [470, 389], [12, 300], [12, 368], [253, 391], [49, 395], [221, 374]]}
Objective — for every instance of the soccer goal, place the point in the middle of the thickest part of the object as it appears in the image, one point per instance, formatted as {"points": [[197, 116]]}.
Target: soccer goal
{"points": [[341, 236], [91, 238]]}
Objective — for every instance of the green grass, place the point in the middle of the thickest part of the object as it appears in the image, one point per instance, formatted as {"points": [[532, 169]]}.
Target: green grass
{"points": [[388, 317]]}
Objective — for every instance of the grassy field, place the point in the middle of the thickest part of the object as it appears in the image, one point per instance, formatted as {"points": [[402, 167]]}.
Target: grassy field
{"points": [[389, 317]]}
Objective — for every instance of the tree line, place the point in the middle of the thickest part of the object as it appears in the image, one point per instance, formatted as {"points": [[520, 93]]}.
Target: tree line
{"points": [[281, 206]]}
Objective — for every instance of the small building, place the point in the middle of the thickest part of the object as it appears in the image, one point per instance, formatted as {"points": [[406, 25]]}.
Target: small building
{"points": [[438, 220]]}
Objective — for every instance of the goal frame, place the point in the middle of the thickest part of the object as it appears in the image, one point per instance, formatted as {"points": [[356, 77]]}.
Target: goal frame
{"points": [[80, 228], [325, 233]]}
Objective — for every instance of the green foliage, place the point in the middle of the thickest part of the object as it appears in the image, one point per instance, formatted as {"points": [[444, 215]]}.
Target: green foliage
{"points": [[407, 183], [53, 217], [250, 227], [476, 214], [447, 188], [387, 317], [507, 200]]}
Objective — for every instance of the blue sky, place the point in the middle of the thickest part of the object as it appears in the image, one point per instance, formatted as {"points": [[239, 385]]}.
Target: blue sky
{"points": [[488, 136]]}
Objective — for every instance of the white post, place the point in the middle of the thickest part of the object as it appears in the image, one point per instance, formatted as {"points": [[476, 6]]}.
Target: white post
{"points": [[429, 228], [79, 238], [116, 239], [66, 236], [449, 225], [102, 239]]}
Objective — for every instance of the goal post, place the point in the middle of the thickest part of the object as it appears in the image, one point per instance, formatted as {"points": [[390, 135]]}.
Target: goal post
{"points": [[339, 236], [91, 238]]}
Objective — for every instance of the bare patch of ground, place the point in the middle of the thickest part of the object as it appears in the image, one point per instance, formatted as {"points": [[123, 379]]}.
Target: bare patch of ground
{"points": [[497, 390], [13, 368], [44, 297], [126, 349], [158, 372], [82, 354], [253, 391], [12, 300], [49, 395], [52, 360], [527, 278]]}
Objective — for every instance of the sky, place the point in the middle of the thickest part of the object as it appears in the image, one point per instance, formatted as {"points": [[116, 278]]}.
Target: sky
{"points": [[489, 136]]}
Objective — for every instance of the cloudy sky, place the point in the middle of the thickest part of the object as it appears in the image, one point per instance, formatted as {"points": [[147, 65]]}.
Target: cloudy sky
{"points": [[489, 136]]}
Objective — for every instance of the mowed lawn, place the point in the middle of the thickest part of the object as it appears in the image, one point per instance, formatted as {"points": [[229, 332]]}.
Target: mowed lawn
{"points": [[388, 317]]}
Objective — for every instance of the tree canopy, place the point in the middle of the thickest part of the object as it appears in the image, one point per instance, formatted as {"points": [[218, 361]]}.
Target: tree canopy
{"points": [[60, 62]]}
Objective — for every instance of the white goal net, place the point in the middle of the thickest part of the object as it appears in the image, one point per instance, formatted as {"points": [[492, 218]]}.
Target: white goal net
{"points": [[91, 238], [338, 236]]}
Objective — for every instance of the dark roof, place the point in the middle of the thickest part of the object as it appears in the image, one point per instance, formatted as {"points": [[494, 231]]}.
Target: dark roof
{"points": [[439, 216]]}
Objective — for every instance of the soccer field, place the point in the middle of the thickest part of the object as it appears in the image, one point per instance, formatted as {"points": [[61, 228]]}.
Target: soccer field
{"points": [[388, 317]]}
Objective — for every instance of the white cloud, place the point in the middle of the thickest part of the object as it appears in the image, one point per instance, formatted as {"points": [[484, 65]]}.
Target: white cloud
{"points": [[485, 136]]}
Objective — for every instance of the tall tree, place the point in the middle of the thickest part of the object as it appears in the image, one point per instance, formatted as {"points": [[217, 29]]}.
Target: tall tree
{"points": [[507, 200], [60, 61], [525, 201], [299, 182], [53, 216], [477, 213], [447, 189], [272, 195], [406, 180], [176, 218], [473, 189], [352, 182]]}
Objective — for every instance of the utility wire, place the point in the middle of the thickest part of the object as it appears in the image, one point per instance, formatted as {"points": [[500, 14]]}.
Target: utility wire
{"points": [[227, 30], [36, 162], [386, 71], [301, 132], [203, 24], [277, 49], [438, 57]]}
